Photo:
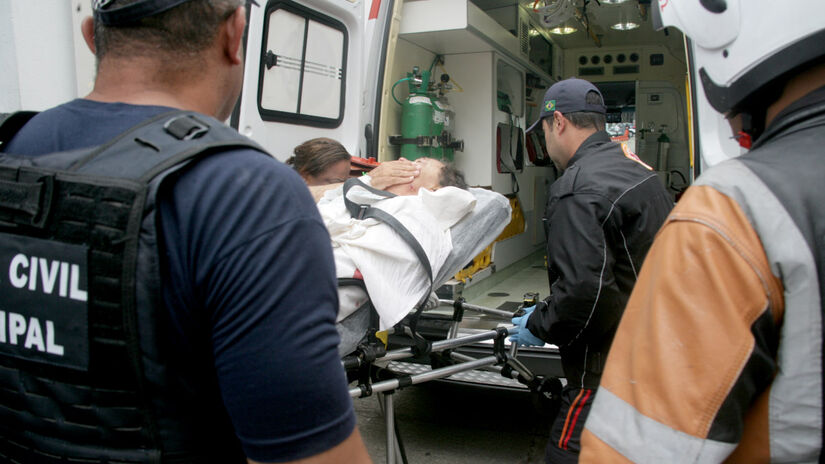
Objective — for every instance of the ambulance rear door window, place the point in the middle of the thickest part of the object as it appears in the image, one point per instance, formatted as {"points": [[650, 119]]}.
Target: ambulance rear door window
{"points": [[303, 66]]}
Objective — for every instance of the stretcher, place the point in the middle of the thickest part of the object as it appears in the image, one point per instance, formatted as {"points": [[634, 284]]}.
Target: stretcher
{"points": [[470, 236], [369, 363], [371, 368]]}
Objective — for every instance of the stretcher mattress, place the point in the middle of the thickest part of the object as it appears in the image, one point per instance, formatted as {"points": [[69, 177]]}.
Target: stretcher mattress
{"points": [[470, 235]]}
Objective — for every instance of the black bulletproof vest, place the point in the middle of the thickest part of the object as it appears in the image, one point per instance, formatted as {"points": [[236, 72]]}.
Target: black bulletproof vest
{"points": [[84, 370]]}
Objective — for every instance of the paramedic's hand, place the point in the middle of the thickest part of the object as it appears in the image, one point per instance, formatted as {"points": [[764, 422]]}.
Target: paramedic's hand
{"points": [[389, 173], [524, 337]]}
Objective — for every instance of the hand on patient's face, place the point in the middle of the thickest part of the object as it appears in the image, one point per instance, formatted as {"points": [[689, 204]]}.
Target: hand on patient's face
{"points": [[391, 173], [429, 178]]}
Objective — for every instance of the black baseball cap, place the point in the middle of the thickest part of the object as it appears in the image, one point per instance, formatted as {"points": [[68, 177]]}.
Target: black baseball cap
{"points": [[568, 96], [134, 11]]}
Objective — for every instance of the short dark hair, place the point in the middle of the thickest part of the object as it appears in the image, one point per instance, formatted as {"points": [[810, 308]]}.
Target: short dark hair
{"points": [[452, 177], [179, 33], [585, 119], [316, 155]]}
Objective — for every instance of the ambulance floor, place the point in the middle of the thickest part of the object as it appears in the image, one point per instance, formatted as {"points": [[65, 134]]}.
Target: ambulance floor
{"points": [[510, 284]]}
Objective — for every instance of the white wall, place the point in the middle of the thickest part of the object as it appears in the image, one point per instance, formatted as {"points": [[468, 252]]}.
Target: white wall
{"points": [[477, 115], [37, 54]]}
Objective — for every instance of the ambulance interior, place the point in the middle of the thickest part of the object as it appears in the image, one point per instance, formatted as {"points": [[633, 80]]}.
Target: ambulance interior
{"points": [[500, 56], [479, 69]]}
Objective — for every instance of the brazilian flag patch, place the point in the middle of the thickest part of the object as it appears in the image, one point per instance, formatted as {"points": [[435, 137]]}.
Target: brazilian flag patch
{"points": [[550, 105]]}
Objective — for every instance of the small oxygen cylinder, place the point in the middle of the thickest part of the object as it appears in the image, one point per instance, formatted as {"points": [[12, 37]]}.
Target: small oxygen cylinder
{"points": [[662, 149], [417, 115], [442, 122]]}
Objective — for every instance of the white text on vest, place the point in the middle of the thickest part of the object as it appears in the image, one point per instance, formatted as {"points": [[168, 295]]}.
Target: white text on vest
{"points": [[18, 327], [51, 272]]}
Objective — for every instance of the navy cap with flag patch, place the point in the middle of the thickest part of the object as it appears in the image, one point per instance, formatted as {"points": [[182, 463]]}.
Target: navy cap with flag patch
{"points": [[568, 96]]}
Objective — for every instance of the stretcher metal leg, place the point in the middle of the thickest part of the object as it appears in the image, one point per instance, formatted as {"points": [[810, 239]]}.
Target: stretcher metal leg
{"points": [[389, 417], [387, 388]]}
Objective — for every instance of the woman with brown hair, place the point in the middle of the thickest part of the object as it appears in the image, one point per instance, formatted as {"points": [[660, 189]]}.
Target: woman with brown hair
{"points": [[321, 161]]}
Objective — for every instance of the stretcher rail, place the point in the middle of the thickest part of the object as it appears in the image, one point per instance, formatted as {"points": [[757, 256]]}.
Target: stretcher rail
{"points": [[480, 309], [447, 344]]}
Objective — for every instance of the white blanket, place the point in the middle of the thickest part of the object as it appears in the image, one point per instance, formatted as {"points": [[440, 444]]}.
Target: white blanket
{"points": [[393, 274]]}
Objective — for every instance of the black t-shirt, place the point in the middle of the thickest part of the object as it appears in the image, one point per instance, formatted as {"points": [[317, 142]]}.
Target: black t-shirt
{"points": [[247, 251]]}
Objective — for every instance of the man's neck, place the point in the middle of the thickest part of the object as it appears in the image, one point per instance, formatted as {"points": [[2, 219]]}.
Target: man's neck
{"points": [[796, 88], [130, 81], [577, 140]]}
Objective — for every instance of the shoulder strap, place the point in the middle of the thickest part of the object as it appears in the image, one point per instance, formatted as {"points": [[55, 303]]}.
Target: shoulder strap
{"points": [[160, 143], [10, 124], [138, 154], [361, 211]]}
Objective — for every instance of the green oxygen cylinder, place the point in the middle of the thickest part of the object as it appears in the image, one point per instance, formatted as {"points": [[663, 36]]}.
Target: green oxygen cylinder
{"points": [[417, 117]]}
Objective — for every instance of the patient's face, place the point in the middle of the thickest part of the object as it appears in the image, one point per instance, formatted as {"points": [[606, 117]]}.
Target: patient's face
{"points": [[428, 179]]}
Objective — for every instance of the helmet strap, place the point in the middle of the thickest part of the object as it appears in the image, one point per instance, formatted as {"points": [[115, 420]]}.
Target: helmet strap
{"points": [[752, 128], [754, 111]]}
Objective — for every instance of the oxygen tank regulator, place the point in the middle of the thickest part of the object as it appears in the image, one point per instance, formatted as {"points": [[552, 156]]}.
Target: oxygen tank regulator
{"points": [[426, 117]]}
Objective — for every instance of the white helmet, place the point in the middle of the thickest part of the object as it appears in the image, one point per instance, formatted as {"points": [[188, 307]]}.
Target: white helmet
{"points": [[741, 46]]}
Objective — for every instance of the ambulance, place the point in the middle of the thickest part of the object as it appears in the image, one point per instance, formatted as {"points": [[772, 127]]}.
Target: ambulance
{"points": [[458, 80]]}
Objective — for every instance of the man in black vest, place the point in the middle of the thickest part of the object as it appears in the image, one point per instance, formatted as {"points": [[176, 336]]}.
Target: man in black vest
{"points": [[230, 350], [719, 354], [600, 219]]}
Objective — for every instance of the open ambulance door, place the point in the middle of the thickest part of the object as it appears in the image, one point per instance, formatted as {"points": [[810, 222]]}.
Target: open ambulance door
{"points": [[306, 73]]}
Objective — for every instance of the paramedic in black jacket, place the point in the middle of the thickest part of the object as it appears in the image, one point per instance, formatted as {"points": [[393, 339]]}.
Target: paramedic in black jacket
{"points": [[600, 219], [243, 309]]}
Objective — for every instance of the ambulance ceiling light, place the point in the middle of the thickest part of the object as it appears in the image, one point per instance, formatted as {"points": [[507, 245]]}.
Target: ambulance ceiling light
{"points": [[625, 26], [563, 30]]}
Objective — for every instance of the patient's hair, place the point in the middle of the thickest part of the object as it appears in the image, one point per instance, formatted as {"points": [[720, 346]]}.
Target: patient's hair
{"points": [[452, 177], [316, 155]]}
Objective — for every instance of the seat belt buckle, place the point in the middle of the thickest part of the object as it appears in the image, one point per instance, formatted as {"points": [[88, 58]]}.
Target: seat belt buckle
{"points": [[362, 210]]}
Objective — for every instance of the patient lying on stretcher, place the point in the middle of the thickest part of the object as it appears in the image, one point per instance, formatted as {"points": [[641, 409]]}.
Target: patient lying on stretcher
{"points": [[373, 251]]}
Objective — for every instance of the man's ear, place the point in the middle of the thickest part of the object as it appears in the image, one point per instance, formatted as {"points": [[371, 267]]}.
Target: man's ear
{"points": [[87, 29], [559, 121], [233, 28]]}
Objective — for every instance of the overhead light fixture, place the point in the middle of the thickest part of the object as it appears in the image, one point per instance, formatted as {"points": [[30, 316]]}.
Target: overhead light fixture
{"points": [[625, 26], [613, 2], [563, 30], [555, 13]]}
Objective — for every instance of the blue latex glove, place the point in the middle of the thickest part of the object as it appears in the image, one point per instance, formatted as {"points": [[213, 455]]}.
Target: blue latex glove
{"points": [[524, 337]]}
